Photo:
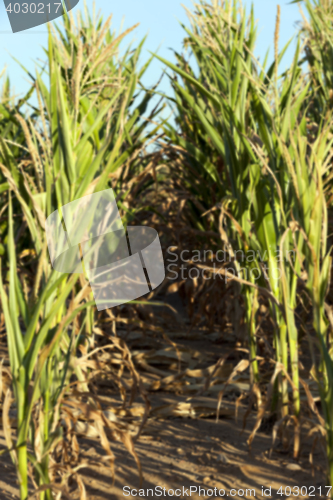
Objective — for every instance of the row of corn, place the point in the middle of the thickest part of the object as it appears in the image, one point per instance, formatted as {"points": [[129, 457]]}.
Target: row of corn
{"points": [[254, 146]]}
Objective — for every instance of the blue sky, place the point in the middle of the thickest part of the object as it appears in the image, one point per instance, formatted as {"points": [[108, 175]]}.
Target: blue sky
{"points": [[158, 18]]}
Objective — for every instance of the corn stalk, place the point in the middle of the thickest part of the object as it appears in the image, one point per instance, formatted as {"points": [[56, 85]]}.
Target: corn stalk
{"points": [[89, 134]]}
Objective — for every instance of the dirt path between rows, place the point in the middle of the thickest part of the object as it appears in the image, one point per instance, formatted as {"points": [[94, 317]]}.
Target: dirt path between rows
{"points": [[178, 454]]}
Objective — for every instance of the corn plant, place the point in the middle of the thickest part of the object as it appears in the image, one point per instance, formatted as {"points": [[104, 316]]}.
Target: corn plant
{"points": [[40, 353], [245, 116], [310, 160], [12, 135], [219, 42], [89, 134], [226, 101], [307, 165]]}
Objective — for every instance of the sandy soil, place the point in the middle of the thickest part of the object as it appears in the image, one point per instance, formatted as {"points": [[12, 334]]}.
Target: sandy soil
{"points": [[177, 453]]}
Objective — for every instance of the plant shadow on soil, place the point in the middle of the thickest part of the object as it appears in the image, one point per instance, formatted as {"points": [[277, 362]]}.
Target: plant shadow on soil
{"points": [[180, 452]]}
